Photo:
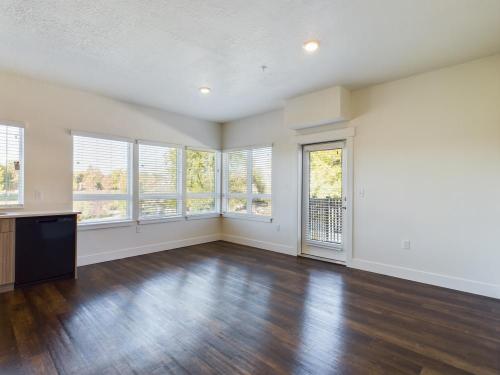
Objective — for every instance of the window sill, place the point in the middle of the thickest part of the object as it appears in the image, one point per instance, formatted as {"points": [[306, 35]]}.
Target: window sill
{"points": [[161, 220], [203, 216], [264, 219], [107, 225], [12, 207]]}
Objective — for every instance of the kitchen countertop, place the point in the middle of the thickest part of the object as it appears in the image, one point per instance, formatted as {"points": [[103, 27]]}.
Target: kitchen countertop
{"points": [[16, 214]]}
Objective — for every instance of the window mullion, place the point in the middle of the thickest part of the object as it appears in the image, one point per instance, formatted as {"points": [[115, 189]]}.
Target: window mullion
{"points": [[134, 181], [183, 187], [249, 181]]}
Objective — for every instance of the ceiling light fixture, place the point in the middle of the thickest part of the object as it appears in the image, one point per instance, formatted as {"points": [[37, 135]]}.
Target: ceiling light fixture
{"points": [[205, 90], [311, 46]]}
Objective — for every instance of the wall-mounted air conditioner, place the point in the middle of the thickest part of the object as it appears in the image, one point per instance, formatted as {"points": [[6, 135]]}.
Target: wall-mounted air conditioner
{"points": [[318, 108]]}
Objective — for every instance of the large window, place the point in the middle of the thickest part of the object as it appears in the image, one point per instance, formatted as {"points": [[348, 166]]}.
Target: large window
{"points": [[102, 188], [201, 182], [247, 182], [11, 165], [160, 181]]}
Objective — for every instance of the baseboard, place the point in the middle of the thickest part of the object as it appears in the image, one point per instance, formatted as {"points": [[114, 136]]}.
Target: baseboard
{"points": [[106, 256], [272, 246], [6, 288], [451, 282]]}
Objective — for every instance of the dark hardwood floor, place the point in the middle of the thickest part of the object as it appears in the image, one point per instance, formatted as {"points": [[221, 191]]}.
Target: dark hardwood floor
{"points": [[230, 309]]}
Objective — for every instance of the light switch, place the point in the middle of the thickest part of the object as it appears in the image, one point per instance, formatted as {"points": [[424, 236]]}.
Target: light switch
{"points": [[362, 192]]}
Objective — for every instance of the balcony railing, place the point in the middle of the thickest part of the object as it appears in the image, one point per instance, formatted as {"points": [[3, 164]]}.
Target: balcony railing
{"points": [[325, 220]]}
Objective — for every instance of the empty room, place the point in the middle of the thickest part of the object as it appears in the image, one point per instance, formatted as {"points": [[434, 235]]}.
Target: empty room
{"points": [[249, 187]]}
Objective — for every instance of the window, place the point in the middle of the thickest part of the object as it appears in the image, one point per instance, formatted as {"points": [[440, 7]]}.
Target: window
{"points": [[11, 165], [201, 182], [160, 181], [247, 181], [102, 188]]}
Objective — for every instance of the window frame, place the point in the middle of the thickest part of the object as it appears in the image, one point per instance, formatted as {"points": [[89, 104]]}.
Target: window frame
{"points": [[20, 189], [216, 194], [133, 194], [180, 173], [129, 196], [248, 195]]}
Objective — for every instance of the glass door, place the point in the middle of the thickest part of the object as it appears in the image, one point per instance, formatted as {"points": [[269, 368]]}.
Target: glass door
{"points": [[323, 202]]}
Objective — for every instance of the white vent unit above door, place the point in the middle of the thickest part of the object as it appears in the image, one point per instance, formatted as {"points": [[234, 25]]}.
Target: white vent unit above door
{"points": [[318, 108]]}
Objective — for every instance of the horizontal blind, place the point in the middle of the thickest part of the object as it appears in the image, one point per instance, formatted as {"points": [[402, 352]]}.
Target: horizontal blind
{"points": [[11, 165], [159, 181], [100, 166], [237, 171], [201, 174], [248, 181], [261, 181], [261, 170], [101, 179]]}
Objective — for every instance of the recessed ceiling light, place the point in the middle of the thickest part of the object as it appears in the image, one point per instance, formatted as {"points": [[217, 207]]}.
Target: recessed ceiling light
{"points": [[311, 46], [205, 90]]}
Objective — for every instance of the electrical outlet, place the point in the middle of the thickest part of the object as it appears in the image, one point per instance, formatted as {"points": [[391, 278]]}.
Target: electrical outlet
{"points": [[406, 244]]}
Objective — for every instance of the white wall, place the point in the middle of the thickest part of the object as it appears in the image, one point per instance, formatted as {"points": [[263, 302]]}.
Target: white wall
{"points": [[427, 154], [49, 111]]}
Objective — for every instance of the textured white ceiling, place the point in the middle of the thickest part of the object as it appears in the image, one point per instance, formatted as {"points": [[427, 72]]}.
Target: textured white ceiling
{"points": [[158, 52]]}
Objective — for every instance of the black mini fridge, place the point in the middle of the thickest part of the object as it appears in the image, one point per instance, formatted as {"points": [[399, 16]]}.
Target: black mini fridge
{"points": [[45, 248]]}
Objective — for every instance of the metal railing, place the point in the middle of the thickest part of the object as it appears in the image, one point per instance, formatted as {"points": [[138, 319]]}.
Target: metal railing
{"points": [[325, 220]]}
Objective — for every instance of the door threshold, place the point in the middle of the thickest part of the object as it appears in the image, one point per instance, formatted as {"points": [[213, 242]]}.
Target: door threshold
{"points": [[322, 259]]}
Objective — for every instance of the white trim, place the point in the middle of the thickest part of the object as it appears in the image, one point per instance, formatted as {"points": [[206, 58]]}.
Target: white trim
{"points": [[271, 246], [106, 256], [16, 124], [326, 245], [101, 136], [204, 215], [105, 225], [101, 197], [165, 219], [201, 148], [135, 182], [341, 135], [328, 260], [158, 143], [252, 147], [232, 215], [327, 136], [347, 237], [445, 281], [10, 206], [324, 146]]}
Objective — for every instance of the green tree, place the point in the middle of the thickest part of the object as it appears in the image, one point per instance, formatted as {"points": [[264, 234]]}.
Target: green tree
{"points": [[326, 174]]}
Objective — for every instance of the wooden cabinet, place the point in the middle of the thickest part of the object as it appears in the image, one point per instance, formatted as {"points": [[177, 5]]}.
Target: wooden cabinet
{"points": [[6, 254]]}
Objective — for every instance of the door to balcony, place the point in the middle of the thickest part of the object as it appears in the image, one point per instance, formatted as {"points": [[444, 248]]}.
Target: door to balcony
{"points": [[324, 201]]}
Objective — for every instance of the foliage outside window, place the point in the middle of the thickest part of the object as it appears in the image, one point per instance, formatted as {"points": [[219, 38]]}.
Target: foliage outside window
{"points": [[11, 165], [248, 177], [101, 179], [201, 182], [326, 174]]}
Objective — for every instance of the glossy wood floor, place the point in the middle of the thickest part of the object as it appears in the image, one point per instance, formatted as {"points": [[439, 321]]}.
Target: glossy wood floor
{"points": [[230, 309]]}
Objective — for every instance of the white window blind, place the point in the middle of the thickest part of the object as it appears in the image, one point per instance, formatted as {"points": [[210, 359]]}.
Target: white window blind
{"points": [[102, 171], [160, 181], [201, 182], [11, 165], [248, 182]]}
